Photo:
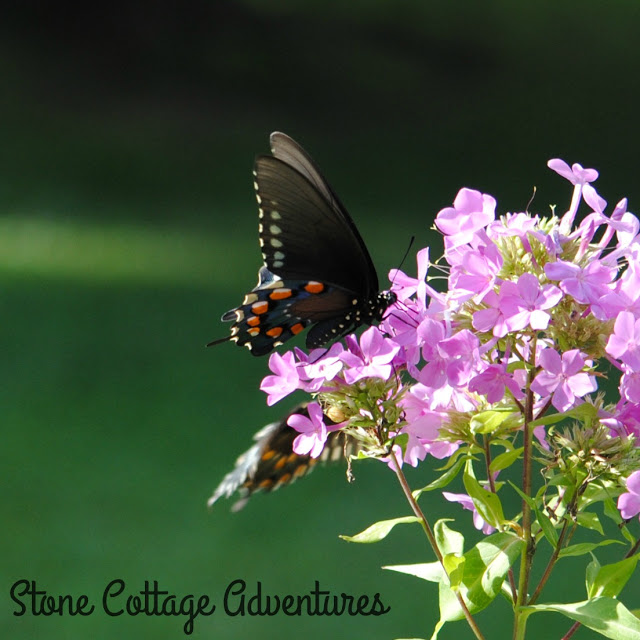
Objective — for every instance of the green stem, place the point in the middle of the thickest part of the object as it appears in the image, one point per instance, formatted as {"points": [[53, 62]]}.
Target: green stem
{"points": [[432, 541], [550, 564], [528, 551]]}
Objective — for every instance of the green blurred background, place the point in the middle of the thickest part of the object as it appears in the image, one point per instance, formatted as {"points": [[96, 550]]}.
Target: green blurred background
{"points": [[128, 225]]}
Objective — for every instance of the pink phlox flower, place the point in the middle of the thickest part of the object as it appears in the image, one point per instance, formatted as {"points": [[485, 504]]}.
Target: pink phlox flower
{"points": [[524, 303], [585, 285], [492, 318], [519, 225], [624, 421], [423, 427], [476, 274], [629, 502], [579, 177], [286, 379], [624, 342], [462, 357], [563, 378], [371, 358], [471, 212], [494, 381], [405, 286], [313, 431], [321, 366], [467, 503], [575, 174], [593, 199], [630, 386]]}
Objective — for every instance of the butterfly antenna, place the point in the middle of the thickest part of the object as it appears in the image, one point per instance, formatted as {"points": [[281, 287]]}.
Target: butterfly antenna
{"points": [[404, 257]]}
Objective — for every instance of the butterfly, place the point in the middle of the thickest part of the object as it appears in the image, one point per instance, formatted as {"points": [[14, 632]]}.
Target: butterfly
{"points": [[271, 462], [317, 271]]}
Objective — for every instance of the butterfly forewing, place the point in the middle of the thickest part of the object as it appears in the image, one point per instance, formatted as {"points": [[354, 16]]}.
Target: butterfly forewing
{"points": [[303, 236]]}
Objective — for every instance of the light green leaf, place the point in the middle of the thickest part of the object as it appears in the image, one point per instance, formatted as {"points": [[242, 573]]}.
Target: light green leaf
{"points": [[584, 547], [379, 530], [430, 571], [454, 566], [609, 579], [505, 459], [448, 540], [590, 521], [485, 568], [487, 504], [488, 421], [607, 616]]}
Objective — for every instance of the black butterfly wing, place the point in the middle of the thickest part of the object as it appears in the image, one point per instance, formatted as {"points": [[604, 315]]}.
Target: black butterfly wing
{"points": [[271, 462], [305, 236]]}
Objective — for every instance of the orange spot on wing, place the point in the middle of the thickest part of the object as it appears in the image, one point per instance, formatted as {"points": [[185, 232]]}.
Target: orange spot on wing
{"points": [[253, 321], [284, 479], [275, 332], [300, 471], [280, 294], [268, 454], [259, 307], [297, 328], [266, 484], [280, 463], [314, 287]]}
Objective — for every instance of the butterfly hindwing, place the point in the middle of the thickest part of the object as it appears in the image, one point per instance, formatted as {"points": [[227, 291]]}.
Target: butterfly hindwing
{"points": [[271, 462]]}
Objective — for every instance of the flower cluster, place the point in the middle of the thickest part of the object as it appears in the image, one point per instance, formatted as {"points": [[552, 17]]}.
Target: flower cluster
{"points": [[536, 310]]}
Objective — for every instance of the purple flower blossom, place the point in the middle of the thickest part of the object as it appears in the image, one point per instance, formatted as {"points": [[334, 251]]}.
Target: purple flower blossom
{"points": [[624, 343], [629, 502], [563, 378], [494, 381], [286, 379], [467, 503], [313, 431], [524, 303], [471, 212], [575, 174], [371, 359], [586, 284]]}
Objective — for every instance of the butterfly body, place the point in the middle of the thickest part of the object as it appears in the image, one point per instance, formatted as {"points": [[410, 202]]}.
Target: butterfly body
{"points": [[317, 271]]}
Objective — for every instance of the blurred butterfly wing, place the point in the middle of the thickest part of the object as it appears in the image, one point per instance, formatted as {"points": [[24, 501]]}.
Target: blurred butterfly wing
{"points": [[271, 462]]}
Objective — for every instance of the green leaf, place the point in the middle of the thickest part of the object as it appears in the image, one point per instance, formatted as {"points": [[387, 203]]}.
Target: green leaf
{"points": [[609, 579], [589, 521], [529, 500], [607, 616], [430, 571], [448, 540], [485, 568], [584, 547], [488, 421], [505, 459], [547, 527], [379, 530], [454, 566], [487, 504], [443, 480]]}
